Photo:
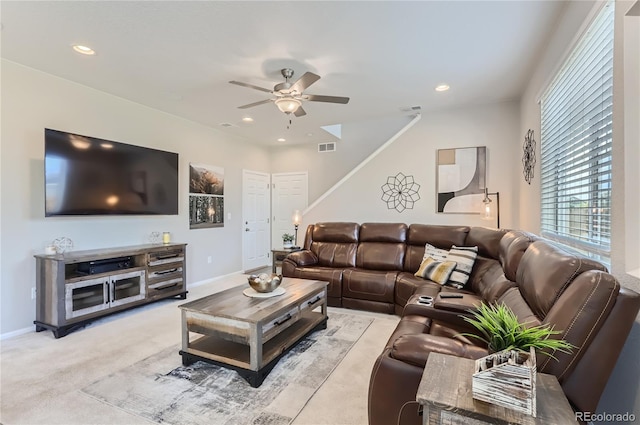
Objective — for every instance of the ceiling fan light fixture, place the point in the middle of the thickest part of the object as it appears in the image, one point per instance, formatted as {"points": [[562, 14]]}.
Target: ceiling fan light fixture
{"points": [[287, 104], [442, 87]]}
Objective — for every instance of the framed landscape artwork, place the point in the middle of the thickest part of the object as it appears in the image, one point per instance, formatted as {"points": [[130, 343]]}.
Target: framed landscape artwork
{"points": [[206, 196], [461, 179]]}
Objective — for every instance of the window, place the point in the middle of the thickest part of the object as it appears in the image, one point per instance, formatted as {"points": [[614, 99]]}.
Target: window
{"points": [[576, 144]]}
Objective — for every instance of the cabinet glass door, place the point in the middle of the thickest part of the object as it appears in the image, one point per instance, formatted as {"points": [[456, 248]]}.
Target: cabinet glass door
{"points": [[87, 296], [127, 287]]}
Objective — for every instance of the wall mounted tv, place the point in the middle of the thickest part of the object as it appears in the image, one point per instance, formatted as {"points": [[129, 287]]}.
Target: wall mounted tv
{"points": [[90, 176]]}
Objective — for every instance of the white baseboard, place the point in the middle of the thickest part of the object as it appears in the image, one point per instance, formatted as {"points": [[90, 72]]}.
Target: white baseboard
{"points": [[15, 333], [23, 331], [213, 279]]}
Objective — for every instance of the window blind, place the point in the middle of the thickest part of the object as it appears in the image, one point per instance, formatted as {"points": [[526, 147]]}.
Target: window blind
{"points": [[576, 144]]}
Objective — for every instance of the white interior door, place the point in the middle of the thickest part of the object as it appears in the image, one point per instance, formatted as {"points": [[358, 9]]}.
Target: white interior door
{"points": [[256, 232], [289, 192]]}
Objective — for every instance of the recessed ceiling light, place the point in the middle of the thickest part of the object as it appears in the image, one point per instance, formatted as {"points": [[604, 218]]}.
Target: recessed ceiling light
{"points": [[247, 119], [83, 49], [282, 139], [442, 87]]}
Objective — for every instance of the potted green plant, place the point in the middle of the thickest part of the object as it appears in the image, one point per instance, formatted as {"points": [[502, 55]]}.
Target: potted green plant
{"points": [[500, 330], [287, 240], [507, 376]]}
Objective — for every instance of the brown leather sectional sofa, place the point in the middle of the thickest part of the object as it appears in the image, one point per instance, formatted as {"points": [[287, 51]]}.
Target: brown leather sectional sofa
{"points": [[371, 267]]}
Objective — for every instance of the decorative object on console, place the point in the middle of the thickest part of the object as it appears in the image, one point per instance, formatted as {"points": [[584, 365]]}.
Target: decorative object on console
{"points": [[50, 250], [461, 174], [62, 244], [287, 240], [507, 379], [206, 196], [507, 376], [487, 211], [502, 331], [166, 237], [297, 220], [265, 283], [400, 192], [155, 237], [529, 156]]}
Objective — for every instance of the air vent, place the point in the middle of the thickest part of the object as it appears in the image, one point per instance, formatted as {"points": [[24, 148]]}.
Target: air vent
{"points": [[327, 147], [226, 124]]}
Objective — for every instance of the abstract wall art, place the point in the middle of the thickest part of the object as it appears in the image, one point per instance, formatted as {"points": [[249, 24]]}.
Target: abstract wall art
{"points": [[529, 156], [461, 179]]}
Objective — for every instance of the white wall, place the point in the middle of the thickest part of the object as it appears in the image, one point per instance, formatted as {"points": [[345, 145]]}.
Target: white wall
{"points": [[359, 139], [621, 394], [31, 101], [414, 153]]}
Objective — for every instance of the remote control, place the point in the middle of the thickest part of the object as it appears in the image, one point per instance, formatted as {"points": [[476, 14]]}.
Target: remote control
{"points": [[450, 295]]}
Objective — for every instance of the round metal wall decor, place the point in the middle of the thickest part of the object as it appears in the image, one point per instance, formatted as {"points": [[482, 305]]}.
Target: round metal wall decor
{"points": [[529, 156], [400, 192]]}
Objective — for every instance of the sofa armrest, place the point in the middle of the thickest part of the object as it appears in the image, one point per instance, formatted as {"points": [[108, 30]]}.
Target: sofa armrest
{"points": [[303, 258], [460, 305], [445, 310], [414, 349]]}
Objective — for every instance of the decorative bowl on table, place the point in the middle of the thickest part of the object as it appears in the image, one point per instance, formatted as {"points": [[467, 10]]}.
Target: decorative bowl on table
{"points": [[265, 283]]}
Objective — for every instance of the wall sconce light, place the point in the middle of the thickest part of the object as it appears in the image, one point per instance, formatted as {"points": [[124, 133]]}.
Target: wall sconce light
{"points": [[297, 220], [487, 209]]}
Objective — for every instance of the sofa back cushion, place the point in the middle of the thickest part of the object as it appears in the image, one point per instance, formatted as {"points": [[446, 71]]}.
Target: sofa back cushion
{"points": [[335, 244], [487, 240], [545, 271], [382, 246], [439, 236], [511, 249], [579, 313]]}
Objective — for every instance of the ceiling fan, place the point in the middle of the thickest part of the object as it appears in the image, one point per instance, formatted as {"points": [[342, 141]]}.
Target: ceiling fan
{"points": [[289, 96]]}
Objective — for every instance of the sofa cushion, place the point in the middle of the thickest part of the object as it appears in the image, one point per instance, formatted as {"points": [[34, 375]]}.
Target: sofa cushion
{"points": [[439, 236], [511, 249], [488, 280], [407, 284], [487, 240], [464, 257], [335, 244], [544, 273], [579, 313], [414, 349], [372, 285], [437, 271], [327, 274], [382, 246]]}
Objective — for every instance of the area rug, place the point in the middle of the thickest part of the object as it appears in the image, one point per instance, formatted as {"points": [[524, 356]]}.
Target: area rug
{"points": [[160, 389]]}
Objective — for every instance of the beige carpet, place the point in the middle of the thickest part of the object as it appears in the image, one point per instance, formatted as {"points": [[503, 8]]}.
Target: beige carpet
{"points": [[41, 378]]}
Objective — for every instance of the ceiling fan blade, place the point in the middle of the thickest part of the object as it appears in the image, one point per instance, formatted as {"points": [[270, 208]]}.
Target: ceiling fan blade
{"points": [[251, 105], [305, 81], [330, 99], [300, 112], [251, 86]]}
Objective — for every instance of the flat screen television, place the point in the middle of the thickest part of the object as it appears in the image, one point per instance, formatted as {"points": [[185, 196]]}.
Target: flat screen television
{"points": [[90, 176]]}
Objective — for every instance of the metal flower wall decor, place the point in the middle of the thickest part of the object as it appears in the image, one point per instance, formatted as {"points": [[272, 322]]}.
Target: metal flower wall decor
{"points": [[529, 156], [400, 192]]}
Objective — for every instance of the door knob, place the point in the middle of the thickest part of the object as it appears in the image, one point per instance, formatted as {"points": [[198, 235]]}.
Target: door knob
{"points": [[246, 230]]}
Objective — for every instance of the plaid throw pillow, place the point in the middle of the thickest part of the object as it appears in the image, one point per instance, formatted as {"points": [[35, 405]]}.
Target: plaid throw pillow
{"points": [[464, 257], [437, 271]]}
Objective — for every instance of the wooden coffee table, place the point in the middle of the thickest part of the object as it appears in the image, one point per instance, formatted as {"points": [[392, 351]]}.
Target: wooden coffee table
{"points": [[248, 334]]}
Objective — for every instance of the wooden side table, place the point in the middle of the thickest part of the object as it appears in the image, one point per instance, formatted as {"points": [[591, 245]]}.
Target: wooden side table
{"points": [[446, 397], [277, 255]]}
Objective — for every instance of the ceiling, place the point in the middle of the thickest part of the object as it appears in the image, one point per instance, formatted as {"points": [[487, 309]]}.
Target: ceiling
{"points": [[178, 56]]}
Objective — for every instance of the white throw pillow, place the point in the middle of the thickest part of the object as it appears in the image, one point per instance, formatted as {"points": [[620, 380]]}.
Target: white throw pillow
{"points": [[464, 257], [435, 253]]}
